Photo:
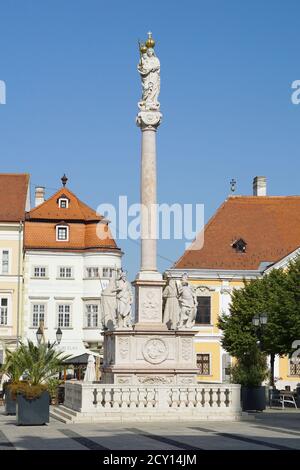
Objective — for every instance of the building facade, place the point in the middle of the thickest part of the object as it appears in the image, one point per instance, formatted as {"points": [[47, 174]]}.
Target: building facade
{"points": [[247, 237], [14, 201], [69, 257]]}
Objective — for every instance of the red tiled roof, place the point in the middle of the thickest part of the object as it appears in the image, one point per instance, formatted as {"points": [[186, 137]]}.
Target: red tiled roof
{"points": [[13, 196], [87, 229], [50, 209], [270, 225]]}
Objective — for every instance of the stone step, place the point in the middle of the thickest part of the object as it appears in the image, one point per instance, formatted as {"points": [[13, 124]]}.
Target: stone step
{"points": [[68, 416], [62, 414], [67, 410]]}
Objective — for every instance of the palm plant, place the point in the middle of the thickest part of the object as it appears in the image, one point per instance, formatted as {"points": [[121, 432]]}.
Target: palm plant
{"points": [[12, 367], [40, 363]]}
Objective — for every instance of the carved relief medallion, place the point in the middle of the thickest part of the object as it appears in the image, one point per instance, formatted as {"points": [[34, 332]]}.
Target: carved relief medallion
{"points": [[155, 351]]}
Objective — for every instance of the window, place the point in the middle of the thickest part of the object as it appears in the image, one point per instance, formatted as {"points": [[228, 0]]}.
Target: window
{"points": [[39, 271], [64, 316], [108, 272], [63, 203], [92, 272], [203, 364], [239, 245], [65, 272], [294, 368], [5, 258], [203, 311], [3, 311], [38, 315], [91, 315], [62, 233]]}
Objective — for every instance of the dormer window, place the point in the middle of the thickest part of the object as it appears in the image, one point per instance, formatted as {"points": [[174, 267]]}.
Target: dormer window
{"points": [[239, 245], [63, 203], [62, 233]]}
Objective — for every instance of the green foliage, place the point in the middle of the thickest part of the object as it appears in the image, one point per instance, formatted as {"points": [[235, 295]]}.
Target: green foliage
{"points": [[38, 363], [278, 295], [52, 386], [12, 367], [250, 370]]}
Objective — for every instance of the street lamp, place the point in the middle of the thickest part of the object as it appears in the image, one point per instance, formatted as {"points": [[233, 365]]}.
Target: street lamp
{"points": [[263, 318], [40, 335], [58, 335], [259, 321]]}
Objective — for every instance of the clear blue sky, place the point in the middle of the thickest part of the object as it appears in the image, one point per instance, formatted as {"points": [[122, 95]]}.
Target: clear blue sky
{"points": [[226, 73]]}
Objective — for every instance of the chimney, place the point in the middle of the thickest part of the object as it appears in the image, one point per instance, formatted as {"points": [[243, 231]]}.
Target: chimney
{"points": [[39, 195], [260, 186]]}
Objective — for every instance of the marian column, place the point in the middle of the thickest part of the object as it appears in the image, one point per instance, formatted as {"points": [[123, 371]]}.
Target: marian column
{"points": [[149, 351], [148, 282]]}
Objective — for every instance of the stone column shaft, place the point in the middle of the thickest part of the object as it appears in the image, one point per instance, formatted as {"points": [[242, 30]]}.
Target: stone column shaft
{"points": [[148, 200]]}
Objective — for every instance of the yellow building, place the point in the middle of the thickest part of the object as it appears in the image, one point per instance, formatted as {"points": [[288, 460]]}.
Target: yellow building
{"points": [[246, 238], [14, 201]]}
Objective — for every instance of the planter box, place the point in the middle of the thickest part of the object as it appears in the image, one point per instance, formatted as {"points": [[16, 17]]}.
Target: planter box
{"points": [[253, 398], [33, 412], [10, 404]]}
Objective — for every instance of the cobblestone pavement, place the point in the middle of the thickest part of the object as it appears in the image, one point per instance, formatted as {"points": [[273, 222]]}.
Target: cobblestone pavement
{"points": [[272, 429]]}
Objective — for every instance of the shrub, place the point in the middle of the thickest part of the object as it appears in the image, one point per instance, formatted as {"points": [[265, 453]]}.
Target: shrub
{"points": [[250, 370]]}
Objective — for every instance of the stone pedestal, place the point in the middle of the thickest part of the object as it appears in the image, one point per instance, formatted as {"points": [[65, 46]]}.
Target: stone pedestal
{"points": [[148, 300], [149, 356]]}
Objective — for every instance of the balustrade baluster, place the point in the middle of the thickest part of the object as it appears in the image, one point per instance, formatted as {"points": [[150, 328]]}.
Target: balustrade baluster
{"points": [[191, 397], [107, 397], [207, 397], [116, 397], [133, 398], [215, 397]]}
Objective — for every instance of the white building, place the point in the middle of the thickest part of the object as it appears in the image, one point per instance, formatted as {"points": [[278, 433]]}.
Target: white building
{"points": [[69, 257]]}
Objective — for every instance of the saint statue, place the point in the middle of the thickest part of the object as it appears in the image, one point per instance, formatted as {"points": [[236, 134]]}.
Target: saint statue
{"points": [[188, 304], [109, 305], [171, 305], [124, 298], [149, 70]]}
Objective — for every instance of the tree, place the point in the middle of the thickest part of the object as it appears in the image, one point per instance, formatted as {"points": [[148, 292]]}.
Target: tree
{"points": [[276, 294]]}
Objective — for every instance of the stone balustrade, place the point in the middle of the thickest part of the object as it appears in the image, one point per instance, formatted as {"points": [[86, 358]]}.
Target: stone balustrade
{"points": [[215, 401]]}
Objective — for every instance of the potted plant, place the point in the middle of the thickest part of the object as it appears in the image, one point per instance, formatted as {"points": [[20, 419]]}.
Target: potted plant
{"points": [[52, 385], [250, 371], [12, 369], [41, 364]]}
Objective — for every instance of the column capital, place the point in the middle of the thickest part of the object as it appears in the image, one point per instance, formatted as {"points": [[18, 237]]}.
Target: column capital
{"points": [[148, 120]]}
